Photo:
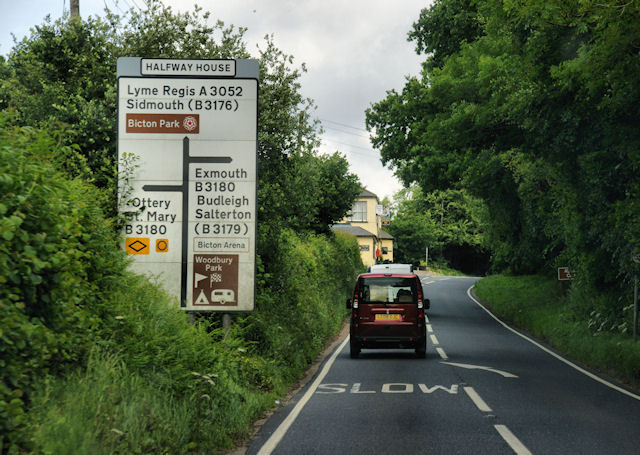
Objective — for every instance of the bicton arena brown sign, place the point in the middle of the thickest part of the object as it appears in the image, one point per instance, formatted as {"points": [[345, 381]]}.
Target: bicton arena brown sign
{"points": [[163, 123]]}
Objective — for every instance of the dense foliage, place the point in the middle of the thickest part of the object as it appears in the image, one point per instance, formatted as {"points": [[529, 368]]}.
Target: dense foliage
{"points": [[75, 323], [446, 222], [533, 107], [59, 261]]}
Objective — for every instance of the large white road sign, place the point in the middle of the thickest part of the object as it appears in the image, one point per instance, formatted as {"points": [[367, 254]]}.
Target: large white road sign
{"points": [[187, 141]]}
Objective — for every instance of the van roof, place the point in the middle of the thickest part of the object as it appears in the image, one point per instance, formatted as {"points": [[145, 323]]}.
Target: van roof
{"points": [[383, 274]]}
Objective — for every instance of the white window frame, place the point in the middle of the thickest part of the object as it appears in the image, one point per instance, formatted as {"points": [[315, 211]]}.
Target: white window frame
{"points": [[359, 216]]}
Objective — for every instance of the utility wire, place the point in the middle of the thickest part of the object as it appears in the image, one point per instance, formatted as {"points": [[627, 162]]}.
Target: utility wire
{"points": [[345, 132], [370, 151], [343, 124]]}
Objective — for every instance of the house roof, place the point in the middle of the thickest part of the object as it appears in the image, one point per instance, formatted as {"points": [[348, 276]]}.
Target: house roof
{"points": [[385, 235], [350, 229], [367, 194]]}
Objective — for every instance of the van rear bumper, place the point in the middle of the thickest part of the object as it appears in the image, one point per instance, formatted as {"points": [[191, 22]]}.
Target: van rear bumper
{"points": [[389, 342]]}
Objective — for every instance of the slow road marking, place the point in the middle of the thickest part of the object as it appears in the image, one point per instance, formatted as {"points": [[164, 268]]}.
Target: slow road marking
{"points": [[394, 387]]}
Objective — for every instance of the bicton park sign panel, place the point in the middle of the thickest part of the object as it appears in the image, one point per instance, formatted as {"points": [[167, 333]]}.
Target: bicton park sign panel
{"points": [[187, 141]]}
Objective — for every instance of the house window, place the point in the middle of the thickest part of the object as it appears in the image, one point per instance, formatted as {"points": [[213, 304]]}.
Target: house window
{"points": [[364, 247], [359, 212], [385, 250]]}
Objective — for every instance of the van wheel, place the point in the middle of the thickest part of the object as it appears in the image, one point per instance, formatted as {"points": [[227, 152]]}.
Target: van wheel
{"points": [[354, 349], [421, 351]]}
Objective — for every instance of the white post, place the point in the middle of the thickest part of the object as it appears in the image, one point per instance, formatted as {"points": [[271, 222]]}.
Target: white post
{"points": [[427, 257]]}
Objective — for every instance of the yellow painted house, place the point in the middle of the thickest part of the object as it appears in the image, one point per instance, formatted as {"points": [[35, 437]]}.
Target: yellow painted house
{"points": [[376, 245]]}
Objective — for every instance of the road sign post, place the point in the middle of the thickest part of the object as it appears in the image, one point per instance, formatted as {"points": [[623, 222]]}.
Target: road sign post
{"points": [[191, 204]]}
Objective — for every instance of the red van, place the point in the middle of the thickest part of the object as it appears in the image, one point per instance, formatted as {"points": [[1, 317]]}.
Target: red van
{"points": [[387, 311]]}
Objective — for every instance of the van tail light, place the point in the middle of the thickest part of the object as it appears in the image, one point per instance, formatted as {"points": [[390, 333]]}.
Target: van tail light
{"points": [[420, 303], [356, 311]]}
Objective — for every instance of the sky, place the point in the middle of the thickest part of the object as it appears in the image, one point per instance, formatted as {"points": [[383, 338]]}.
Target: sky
{"points": [[354, 52]]}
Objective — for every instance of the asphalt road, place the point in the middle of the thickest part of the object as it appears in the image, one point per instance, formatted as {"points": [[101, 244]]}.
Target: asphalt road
{"points": [[483, 389]]}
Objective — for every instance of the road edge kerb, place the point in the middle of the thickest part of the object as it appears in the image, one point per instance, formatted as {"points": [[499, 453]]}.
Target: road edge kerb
{"points": [[560, 356], [330, 346]]}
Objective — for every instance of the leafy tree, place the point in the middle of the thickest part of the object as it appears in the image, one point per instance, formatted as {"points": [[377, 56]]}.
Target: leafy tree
{"points": [[337, 189], [63, 74], [532, 112], [444, 28], [411, 226], [447, 222]]}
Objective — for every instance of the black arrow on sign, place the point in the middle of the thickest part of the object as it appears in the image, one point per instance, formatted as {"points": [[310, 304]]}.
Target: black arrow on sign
{"points": [[184, 188]]}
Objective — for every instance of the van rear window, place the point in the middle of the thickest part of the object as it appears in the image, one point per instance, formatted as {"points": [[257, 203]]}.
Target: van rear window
{"points": [[387, 290]]}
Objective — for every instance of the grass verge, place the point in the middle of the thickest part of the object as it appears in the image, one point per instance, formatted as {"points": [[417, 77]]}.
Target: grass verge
{"points": [[539, 306]]}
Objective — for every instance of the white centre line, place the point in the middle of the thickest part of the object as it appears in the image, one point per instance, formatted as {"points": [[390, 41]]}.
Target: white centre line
{"points": [[429, 328], [434, 340], [517, 446], [277, 435], [442, 354], [477, 400]]}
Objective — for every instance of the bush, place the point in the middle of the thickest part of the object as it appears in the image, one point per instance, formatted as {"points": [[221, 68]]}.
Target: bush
{"points": [[301, 297], [58, 260]]}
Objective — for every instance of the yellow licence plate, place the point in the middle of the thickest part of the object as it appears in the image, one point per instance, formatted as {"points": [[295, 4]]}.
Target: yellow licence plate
{"points": [[388, 317]]}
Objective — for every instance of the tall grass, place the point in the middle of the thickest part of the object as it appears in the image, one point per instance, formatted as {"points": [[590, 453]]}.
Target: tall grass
{"points": [[157, 384]]}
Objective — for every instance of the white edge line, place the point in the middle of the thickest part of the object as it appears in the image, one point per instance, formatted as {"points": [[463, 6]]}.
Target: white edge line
{"points": [[549, 351], [277, 435], [511, 439], [477, 399]]}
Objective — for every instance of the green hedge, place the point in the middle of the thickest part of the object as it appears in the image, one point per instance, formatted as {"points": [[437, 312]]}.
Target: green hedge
{"points": [[58, 261], [95, 359]]}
